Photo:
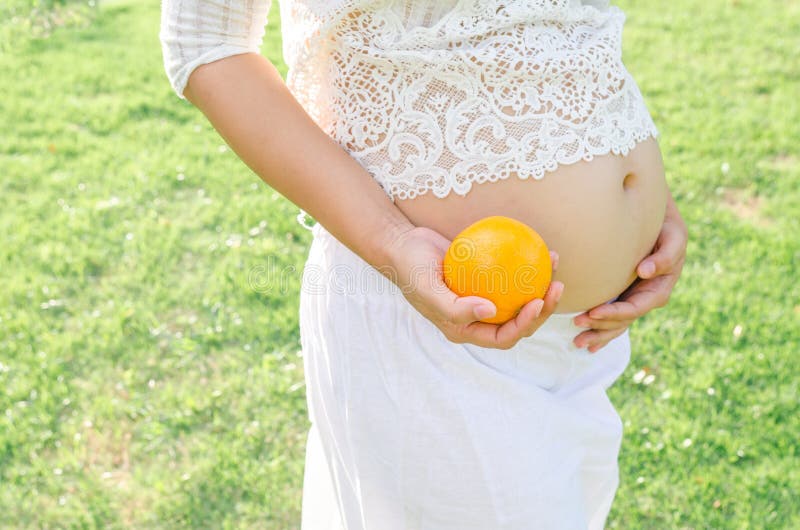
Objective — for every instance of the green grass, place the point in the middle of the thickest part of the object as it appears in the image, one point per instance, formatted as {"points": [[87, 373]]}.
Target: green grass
{"points": [[146, 383], [23, 19]]}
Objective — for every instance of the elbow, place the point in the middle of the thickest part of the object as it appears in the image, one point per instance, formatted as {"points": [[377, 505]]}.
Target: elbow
{"points": [[191, 36], [183, 53], [179, 71]]}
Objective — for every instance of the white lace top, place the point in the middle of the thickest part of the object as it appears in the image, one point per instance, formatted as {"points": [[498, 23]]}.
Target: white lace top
{"points": [[437, 95]]}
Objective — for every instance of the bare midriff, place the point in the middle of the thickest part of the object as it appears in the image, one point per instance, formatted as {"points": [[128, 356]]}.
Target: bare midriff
{"points": [[601, 216]]}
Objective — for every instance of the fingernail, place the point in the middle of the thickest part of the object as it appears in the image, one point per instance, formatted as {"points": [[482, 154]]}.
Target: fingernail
{"points": [[539, 306], [648, 268], [483, 311]]}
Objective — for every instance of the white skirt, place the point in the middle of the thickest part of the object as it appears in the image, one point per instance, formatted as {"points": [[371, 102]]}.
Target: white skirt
{"points": [[410, 431]]}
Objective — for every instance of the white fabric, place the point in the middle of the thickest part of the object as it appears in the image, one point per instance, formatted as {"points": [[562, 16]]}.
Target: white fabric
{"points": [[413, 432], [197, 32], [410, 431], [435, 96]]}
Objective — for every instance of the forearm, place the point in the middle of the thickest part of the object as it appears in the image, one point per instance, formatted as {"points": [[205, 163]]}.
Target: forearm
{"points": [[247, 102]]}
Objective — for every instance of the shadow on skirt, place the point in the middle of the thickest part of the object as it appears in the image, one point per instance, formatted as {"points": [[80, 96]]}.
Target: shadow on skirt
{"points": [[413, 432]]}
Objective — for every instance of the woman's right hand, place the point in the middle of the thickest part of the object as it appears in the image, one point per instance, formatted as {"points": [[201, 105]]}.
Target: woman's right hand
{"points": [[416, 267]]}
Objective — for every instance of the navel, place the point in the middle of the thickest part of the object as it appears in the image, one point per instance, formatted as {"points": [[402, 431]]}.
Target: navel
{"points": [[628, 181]]}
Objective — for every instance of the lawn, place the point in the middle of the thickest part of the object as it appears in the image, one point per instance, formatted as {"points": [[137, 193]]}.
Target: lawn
{"points": [[150, 367]]}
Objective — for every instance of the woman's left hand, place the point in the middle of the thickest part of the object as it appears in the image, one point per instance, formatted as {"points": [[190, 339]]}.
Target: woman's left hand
{"points": [[658, 274]]}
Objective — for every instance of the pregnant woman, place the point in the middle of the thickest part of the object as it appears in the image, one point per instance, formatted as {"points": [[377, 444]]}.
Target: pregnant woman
{"points": [[402, 122]]}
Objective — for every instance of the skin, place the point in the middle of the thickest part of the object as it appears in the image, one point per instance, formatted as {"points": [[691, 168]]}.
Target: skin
{"points": [[244, 97], [658, 273], [602, 216]]}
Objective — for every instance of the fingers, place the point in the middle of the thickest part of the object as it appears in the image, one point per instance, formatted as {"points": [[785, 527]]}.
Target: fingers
{"points": [[466, 309], [516, 328], [643, 297], [487, 335], [554, 259], [524, 324], [449, 309], [595, 339], [610, 310], [622, 309], [490, 335], [670, 250], [531, 316], [534, 313], [592, 323]]}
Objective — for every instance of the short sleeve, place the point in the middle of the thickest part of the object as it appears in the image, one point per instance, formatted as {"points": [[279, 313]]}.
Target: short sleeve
{"points": [[196, 32]]}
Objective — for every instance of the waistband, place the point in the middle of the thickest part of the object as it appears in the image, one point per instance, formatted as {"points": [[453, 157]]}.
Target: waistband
{"points": [[561, 321]]}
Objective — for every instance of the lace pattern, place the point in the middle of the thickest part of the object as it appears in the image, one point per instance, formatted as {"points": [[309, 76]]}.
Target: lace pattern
{"points": [[439, 96], [436, 96]]}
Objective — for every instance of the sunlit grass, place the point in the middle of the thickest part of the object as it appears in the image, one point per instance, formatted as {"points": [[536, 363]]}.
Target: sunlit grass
{"points": [[150, 379], [23, 19]]}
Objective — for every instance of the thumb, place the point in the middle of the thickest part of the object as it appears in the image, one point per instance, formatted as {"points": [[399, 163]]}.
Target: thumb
{"points": [[461, 309], [647, 268], [671, 246], [466, 309]]}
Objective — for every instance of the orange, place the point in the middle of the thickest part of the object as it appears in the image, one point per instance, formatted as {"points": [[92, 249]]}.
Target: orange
{"points": [[501, 259]]}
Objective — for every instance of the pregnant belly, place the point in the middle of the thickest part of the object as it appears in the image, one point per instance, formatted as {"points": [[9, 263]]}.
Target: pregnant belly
{"points": [[602, 217]]}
